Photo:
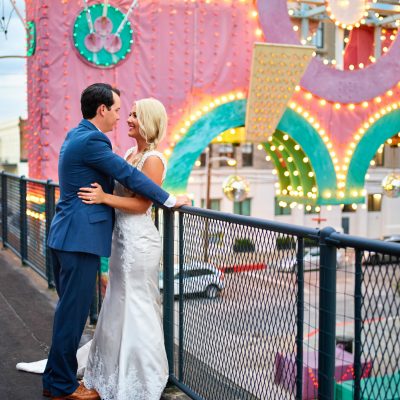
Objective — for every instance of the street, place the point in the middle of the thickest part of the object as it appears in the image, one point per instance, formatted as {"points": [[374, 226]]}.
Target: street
{"points": [[239, 335]]}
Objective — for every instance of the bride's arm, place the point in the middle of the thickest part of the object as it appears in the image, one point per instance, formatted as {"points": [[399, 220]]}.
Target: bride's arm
{"points": [[152, 168]]}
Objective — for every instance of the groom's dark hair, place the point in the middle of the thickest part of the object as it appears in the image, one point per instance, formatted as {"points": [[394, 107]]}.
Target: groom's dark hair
{"points": [[94, 96]]}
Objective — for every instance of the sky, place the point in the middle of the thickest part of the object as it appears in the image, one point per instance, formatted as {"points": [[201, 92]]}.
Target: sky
{"points": [[13, 97]]}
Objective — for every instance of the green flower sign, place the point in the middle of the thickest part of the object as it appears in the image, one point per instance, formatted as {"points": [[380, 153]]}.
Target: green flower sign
{"points": [[102, 35], [30, 38]]}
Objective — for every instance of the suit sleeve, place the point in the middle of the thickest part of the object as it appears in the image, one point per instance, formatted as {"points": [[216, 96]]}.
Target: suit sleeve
{"points": [[99, 155]]}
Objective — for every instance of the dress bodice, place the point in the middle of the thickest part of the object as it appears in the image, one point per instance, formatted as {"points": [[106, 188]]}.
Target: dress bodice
{"points": [[121, 190]]}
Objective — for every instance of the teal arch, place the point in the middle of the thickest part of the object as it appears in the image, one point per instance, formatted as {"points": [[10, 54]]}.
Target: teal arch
{"points": [[231, 115], [314, 147], [306, 182], [197, 138], [283, 180], [290, 167], [376, 135]]}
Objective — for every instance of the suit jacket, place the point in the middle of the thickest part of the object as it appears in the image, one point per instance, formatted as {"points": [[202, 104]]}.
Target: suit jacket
{"points": [[86, 157]]}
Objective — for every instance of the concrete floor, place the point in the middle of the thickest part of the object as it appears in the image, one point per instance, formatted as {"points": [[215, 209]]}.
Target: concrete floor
{"points": [[26, 315]]}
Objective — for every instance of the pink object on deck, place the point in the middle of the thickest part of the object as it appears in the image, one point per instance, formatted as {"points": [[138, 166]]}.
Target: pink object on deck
{"points": [[285, 371]]}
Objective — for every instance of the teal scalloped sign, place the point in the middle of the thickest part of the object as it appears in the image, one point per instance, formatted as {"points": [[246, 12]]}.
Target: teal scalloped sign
{"points": [[96, 36], [30, 38]]}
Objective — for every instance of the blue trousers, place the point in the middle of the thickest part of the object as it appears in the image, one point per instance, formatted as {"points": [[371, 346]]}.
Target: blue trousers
{"points": [[75, 279]]}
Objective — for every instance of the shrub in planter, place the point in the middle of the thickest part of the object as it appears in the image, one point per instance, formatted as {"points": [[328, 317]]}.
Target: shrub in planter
{"points": [[310, 242], [285, 243], [243, 245]]}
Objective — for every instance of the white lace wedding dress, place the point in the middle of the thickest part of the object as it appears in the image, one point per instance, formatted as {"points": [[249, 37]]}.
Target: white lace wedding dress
{"points": [[127, 359]]}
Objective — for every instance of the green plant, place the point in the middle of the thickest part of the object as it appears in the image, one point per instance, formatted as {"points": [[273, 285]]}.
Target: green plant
{"points": [[243, 245], [285, 243], [289, 243]]}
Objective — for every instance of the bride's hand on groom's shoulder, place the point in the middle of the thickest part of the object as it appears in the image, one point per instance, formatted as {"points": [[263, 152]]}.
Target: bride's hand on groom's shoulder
{"points": [[182, 200], [92, 195]]}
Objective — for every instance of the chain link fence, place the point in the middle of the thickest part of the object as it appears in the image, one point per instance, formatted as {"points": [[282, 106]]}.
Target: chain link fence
{"points": [[253, 309], [260, 310]]}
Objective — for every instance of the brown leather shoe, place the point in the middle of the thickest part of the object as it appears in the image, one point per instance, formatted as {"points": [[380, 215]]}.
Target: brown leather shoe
{"points": [[46, 393], [81, 393]]}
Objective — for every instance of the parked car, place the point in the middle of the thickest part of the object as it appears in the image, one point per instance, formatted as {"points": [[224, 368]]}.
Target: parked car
{"points": [[197, 277], [370, 257], [310, 260]]}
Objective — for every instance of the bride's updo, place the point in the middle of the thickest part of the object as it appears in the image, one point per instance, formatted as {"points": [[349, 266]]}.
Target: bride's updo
{"points": [[152, 119]]}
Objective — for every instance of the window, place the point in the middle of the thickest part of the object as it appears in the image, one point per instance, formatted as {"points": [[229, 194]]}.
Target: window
{"points": [[379, 158], [193, 273], [226, 150], [279, 210], [242, 207], [318, 38], [247, 155], [198, 272], [311, 210], [348, 208], [215, 204], [374, 202], [202, 159]]}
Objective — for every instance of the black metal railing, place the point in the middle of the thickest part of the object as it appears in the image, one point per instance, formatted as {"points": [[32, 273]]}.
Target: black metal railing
{"points": [[254, 309], [27, 208], [299, 313]]}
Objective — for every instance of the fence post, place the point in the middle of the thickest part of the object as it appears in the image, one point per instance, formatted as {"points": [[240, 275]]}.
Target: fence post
{"points": [[4, 208], [357, 325], [300, 319], [168, 284], [49, 210], [327, 317], [23, 220], [181, 304], [157, 217]]}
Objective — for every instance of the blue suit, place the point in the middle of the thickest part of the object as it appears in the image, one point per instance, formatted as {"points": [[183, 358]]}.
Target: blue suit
{"points": [[79, 235]]}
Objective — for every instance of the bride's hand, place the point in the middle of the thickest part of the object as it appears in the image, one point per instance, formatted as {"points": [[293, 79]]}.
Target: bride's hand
{"points": [[92, 195]]}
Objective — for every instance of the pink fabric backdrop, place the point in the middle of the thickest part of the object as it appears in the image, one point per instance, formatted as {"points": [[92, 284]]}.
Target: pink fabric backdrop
{"points": [[183, 52]]}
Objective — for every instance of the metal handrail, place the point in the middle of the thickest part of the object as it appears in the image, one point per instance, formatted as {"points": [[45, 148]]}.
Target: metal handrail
{"points": [[14, 195], [252, 222]]}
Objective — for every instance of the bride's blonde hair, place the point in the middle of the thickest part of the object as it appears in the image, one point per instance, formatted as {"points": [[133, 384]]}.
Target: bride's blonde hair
{"points": [[152, 119]]}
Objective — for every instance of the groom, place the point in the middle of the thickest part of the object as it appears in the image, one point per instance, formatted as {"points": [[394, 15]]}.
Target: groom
{"points": [[80, 234]]}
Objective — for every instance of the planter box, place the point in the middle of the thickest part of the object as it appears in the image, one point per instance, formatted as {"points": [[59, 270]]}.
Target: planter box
{"points": [[244, 248]]}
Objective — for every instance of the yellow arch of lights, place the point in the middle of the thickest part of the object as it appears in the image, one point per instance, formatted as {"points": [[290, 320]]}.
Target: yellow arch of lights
{"points": [[359, 134], [182, 129], [385, 125], [353, 188]]}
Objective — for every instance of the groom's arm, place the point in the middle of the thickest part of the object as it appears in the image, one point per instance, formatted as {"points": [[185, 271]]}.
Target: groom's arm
{"points": [[100, 156]]}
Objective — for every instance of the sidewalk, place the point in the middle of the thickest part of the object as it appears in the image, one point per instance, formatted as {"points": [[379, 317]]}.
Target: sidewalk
{"points": [[26, 315]]}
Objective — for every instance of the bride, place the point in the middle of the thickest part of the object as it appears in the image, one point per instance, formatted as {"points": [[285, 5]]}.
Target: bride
{"points": [[126, 358]]}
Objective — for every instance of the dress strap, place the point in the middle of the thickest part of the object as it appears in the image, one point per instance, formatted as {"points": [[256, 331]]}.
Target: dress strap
{"points": [[130, 151], [151, 153]]}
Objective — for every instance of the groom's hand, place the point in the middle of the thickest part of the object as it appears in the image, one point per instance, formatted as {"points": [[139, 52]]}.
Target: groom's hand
{"points": [[182, 200]]}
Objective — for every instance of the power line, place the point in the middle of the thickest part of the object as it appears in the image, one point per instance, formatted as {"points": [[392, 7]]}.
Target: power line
{"points": [[3, 24], [13, 56]]}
